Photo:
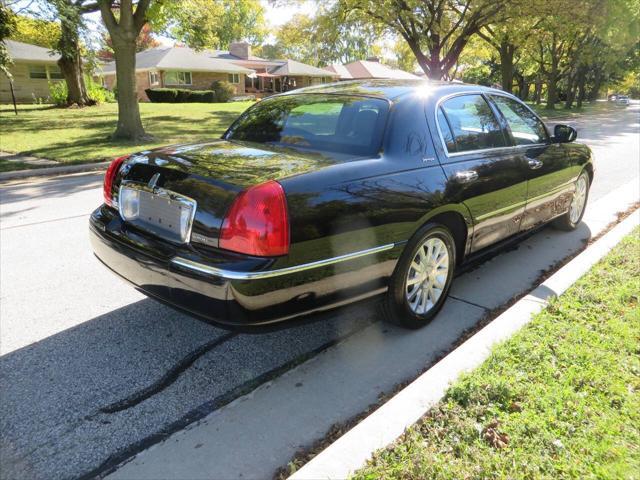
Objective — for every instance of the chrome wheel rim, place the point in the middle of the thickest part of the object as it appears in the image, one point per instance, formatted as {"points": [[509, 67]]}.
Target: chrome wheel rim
{"points": [[427, 276], [579, 199]]}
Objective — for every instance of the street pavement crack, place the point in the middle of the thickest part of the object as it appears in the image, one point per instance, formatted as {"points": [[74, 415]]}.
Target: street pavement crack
{"points": [[168, 378], [469, 303], [46, 221]]}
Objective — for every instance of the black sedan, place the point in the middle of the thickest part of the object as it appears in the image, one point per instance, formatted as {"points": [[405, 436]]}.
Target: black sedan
{"points": [[330, 194]]}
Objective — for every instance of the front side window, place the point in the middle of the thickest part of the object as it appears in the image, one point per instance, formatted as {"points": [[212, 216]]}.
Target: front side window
{"points": [[234, 78], [525, 127], [177, 78], [37, 71], [333, 123], [472, 123]]}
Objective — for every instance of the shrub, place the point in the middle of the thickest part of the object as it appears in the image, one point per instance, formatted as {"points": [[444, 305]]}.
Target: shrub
{"points": [[98, 93], [58, 93], [162, 95], [180, 95], [224, 91]]}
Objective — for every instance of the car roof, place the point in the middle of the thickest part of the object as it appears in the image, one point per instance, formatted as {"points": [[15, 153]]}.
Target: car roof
{"points": [[393, 89]]}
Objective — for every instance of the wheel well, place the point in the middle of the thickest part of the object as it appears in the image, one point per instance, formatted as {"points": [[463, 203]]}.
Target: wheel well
{"points": [[589, 168], [458, 228]]}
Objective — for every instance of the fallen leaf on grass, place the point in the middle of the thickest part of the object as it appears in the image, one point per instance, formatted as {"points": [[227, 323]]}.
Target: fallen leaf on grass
{"points": [[494, 437]]}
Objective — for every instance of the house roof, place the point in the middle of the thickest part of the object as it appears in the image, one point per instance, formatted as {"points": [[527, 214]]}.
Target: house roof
{"points": [[291, 67], [363, 69], [341, 70], [27, 52], [180, 58]]}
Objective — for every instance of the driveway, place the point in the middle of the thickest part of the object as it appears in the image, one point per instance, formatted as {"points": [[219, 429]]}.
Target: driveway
{"points": [[93, 372]]}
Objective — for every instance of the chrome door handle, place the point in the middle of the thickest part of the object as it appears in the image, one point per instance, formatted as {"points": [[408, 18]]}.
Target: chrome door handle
{"points": [[534, 164], [466, 176]]}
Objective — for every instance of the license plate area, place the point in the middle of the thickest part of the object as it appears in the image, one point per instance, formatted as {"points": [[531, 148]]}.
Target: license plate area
{"points": [[164, 213]]}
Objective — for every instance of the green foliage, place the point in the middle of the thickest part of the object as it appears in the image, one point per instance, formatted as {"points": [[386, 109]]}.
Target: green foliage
{"points": [[7, 28], [58, 93], [558, 400], [97, 93], [35, 31], [224, 91], [215, 23], [221, 93]]}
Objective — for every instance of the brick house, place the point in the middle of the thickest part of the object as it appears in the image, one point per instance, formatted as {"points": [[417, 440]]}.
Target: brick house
{"points": [[183, 67], [178, 67], [32, 70]]}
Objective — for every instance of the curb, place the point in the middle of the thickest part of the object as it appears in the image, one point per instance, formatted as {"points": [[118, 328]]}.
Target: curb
{"points": [[53, 171], [351, 451]]}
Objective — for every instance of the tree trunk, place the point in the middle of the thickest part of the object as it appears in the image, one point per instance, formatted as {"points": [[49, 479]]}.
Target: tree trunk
{"points": [[538, 90], [507, 52], [581, 89], [552, 85], [129, 123], [571, 91], [70, 62], [597, 84]]}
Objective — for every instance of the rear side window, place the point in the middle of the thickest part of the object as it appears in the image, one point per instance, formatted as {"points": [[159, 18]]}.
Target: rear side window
{"points": [[332, 123], [472, 123], [525, 127]]}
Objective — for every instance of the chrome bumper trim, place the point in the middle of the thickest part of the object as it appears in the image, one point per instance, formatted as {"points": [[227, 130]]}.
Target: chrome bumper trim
{"points": [[235, 275]]}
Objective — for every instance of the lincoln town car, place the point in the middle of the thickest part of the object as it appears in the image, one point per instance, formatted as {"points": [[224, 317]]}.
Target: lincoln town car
{"points": [[330, 194]]}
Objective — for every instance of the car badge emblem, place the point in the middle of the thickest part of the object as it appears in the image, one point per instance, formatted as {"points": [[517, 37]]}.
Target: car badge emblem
{"points": [[154, 181]]}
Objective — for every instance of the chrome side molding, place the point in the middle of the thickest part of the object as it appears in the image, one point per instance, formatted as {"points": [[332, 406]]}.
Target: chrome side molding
{"points": [[235, 275]]}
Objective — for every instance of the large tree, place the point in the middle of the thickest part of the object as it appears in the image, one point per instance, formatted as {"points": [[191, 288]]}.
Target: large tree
{"points": [[124, 29], [436, 30], [70, 13], [7, 28], [216, 23]]}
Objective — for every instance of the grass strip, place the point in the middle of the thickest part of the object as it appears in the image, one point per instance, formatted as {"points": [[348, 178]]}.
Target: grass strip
{"points": [[558, 400]]}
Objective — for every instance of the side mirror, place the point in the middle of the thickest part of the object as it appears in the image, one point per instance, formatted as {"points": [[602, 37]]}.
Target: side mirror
{"points": [[564, 134]]}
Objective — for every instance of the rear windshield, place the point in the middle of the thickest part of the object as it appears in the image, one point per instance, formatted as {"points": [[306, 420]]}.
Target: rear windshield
{"points": [[331, 123]]}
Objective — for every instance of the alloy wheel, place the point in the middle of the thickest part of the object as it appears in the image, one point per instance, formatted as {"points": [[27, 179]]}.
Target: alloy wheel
{"points": [[427, 275]]}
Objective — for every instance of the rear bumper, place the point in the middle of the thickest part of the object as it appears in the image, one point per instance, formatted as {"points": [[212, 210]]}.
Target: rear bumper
{"points": [[234, 291]]}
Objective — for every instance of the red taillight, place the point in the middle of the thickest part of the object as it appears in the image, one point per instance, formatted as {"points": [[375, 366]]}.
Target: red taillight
{"points": [[109, 177], [258, 223]]}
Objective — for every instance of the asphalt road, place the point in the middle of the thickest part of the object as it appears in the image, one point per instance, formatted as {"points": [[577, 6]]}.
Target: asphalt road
{"points": [[92, 371]]}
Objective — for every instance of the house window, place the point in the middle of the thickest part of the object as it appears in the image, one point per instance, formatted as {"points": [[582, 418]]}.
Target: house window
{"points": [[37, 71], [234, 78], [177, 78], [55, 73], [154, 78]]}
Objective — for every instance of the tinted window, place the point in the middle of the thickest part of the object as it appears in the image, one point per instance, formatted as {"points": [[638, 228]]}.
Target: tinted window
{"points": [[447, 135], [525, 127], [334, 123], [473, 123]]}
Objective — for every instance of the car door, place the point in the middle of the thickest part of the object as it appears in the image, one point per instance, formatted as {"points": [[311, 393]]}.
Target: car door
{"points": [[550, 173], [484, 170]]}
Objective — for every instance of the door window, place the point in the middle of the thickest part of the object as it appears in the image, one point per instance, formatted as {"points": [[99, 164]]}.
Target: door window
{"points": [[473, 124], [526, 128]]}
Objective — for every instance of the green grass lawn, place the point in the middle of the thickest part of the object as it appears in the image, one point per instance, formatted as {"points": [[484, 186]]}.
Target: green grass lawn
{"points": [[82, 135], [561, 112], [560, 399]]}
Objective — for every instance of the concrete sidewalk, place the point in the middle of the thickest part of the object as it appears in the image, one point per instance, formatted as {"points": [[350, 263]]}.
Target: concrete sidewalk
{"points": [[254, 435]]}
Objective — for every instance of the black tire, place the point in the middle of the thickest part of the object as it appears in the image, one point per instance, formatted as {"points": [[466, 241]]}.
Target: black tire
{"points": [[396, 307], [564, 222]]}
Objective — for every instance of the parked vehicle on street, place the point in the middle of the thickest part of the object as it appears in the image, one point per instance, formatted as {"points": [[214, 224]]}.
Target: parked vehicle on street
{"points": [[622, 100], [612, 97], [326, 195]]}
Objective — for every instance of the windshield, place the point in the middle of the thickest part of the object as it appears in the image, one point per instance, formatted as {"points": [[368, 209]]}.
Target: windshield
{"points": [[332, 123]]}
